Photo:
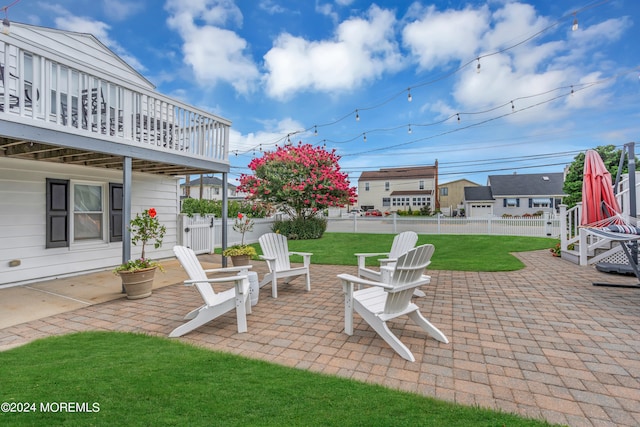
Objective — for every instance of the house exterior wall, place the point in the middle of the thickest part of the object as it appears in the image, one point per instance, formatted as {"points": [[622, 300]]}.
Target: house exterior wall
{"points": [[376, 194], [23, 221], [452, 195], [524, 205], [209, 192]]}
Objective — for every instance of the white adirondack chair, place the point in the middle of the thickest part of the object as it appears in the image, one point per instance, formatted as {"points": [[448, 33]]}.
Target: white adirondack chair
{"points": [[380, 302], [215, 303], [275, 250], [401, 244]]}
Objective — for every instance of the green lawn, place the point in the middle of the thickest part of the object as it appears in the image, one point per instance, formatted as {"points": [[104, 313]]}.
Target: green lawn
{"points": [[453, 252], [137, 380]]}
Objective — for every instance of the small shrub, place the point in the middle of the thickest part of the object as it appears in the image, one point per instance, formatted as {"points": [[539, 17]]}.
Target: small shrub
{"points": [[299, 229], [191, 207]]}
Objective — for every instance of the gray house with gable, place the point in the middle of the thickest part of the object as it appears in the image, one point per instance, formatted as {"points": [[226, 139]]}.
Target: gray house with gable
{"points": [[515, 195]]}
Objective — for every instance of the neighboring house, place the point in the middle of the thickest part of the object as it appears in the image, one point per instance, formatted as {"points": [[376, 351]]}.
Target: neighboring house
{"points": [[211, 189], [478, 202], [516, 195], [85, 144], [451, 196], [396, 189]]}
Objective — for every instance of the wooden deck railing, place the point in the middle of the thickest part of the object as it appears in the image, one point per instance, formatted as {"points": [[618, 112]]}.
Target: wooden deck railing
{"points": [[47, 92]]}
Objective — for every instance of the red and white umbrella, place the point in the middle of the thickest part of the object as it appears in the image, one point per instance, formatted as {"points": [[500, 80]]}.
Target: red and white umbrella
{"points": [[599, 202]]}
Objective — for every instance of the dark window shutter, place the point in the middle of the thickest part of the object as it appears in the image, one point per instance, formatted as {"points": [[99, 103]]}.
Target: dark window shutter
{"points": [[504, 203], [530, 203], [115, 212], [57, 213], [517, 203]]}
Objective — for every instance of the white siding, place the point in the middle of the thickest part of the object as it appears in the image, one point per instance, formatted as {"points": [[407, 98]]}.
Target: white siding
{"points": [[22, 220]]}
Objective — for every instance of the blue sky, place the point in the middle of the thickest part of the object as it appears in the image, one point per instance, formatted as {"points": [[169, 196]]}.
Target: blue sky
{"points": [[282, 69]]}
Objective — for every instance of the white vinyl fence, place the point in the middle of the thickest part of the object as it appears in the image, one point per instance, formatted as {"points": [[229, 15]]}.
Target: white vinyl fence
{"points": [[203, 234]]}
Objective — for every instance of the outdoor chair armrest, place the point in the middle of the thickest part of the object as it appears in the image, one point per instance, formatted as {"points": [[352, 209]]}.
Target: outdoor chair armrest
{"points": [[349, 278], [305, 255], [238, 281], [363, 256], [241, 269]]}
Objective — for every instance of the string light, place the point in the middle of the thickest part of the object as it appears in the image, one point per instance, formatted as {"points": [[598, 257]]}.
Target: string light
{"points": [[6, 25], [513, 107], [409, 131], [365, 137], [574, 27], [315, 131], [449, 74]]}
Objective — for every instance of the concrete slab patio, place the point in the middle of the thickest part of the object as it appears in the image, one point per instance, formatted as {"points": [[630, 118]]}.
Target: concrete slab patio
{"points": [[542, 342]]}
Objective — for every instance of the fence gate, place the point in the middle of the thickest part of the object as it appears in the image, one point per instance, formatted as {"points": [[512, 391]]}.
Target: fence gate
{"points": [[197, 233]]}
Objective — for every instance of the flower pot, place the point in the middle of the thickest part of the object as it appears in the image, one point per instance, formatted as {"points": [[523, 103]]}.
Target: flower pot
{"points": [[138, 284], [238, 260]]}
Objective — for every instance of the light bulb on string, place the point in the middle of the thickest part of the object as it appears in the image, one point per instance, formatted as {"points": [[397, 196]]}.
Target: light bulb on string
{"points": [[409, 97], [357, 116], [574, 27], [478, 66], [409, 131], [315, 131], [513, 107], [365, 137], [458, 114], [6, 25]]}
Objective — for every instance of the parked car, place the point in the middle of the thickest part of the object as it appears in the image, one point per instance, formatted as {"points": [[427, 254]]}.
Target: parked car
{"points": [[356, 212], [373, 212]]}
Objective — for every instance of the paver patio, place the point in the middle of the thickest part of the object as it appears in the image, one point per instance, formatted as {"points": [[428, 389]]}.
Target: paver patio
{"points": [[541, 342]]}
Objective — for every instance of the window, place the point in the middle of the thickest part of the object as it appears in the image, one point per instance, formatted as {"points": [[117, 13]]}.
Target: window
{"points": [[419, 201], [400, 201], [366, 186], [386, 201], [421, 185], [88, 212], [386, 186], [511, 203], [444, 191], [539, 203], [76, 212]]}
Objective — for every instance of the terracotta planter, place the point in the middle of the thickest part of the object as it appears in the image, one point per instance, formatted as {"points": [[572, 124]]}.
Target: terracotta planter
{"points": [[138, 284], [238, 260]]}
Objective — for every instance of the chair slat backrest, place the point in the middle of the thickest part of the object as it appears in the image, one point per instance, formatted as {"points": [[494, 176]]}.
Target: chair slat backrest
{"points": [[194, 270], [275, 245], [402, 243], [409, 268]]}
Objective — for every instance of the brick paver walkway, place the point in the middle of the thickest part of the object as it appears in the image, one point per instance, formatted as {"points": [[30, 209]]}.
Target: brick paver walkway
{"points": [[541, 342]]}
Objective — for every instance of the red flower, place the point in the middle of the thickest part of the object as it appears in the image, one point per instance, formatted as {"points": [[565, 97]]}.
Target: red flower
{"points": [[239, 216], [152, 212]]}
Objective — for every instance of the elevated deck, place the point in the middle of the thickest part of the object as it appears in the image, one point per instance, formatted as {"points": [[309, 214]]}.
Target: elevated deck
{"points": [[64, 97]]}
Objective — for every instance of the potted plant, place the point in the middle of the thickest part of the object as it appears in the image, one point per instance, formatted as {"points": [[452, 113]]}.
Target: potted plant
{"points": [[241, 254], [137, 274]]}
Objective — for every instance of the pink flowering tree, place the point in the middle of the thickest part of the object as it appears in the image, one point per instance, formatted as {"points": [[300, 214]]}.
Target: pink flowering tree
{"points": [[301, 180]]}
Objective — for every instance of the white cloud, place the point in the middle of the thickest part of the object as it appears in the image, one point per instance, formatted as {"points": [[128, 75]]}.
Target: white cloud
{"points": [[267, 138], [215, 54], [119, 10], [509, 70], [361, 50], [439, 38]]}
